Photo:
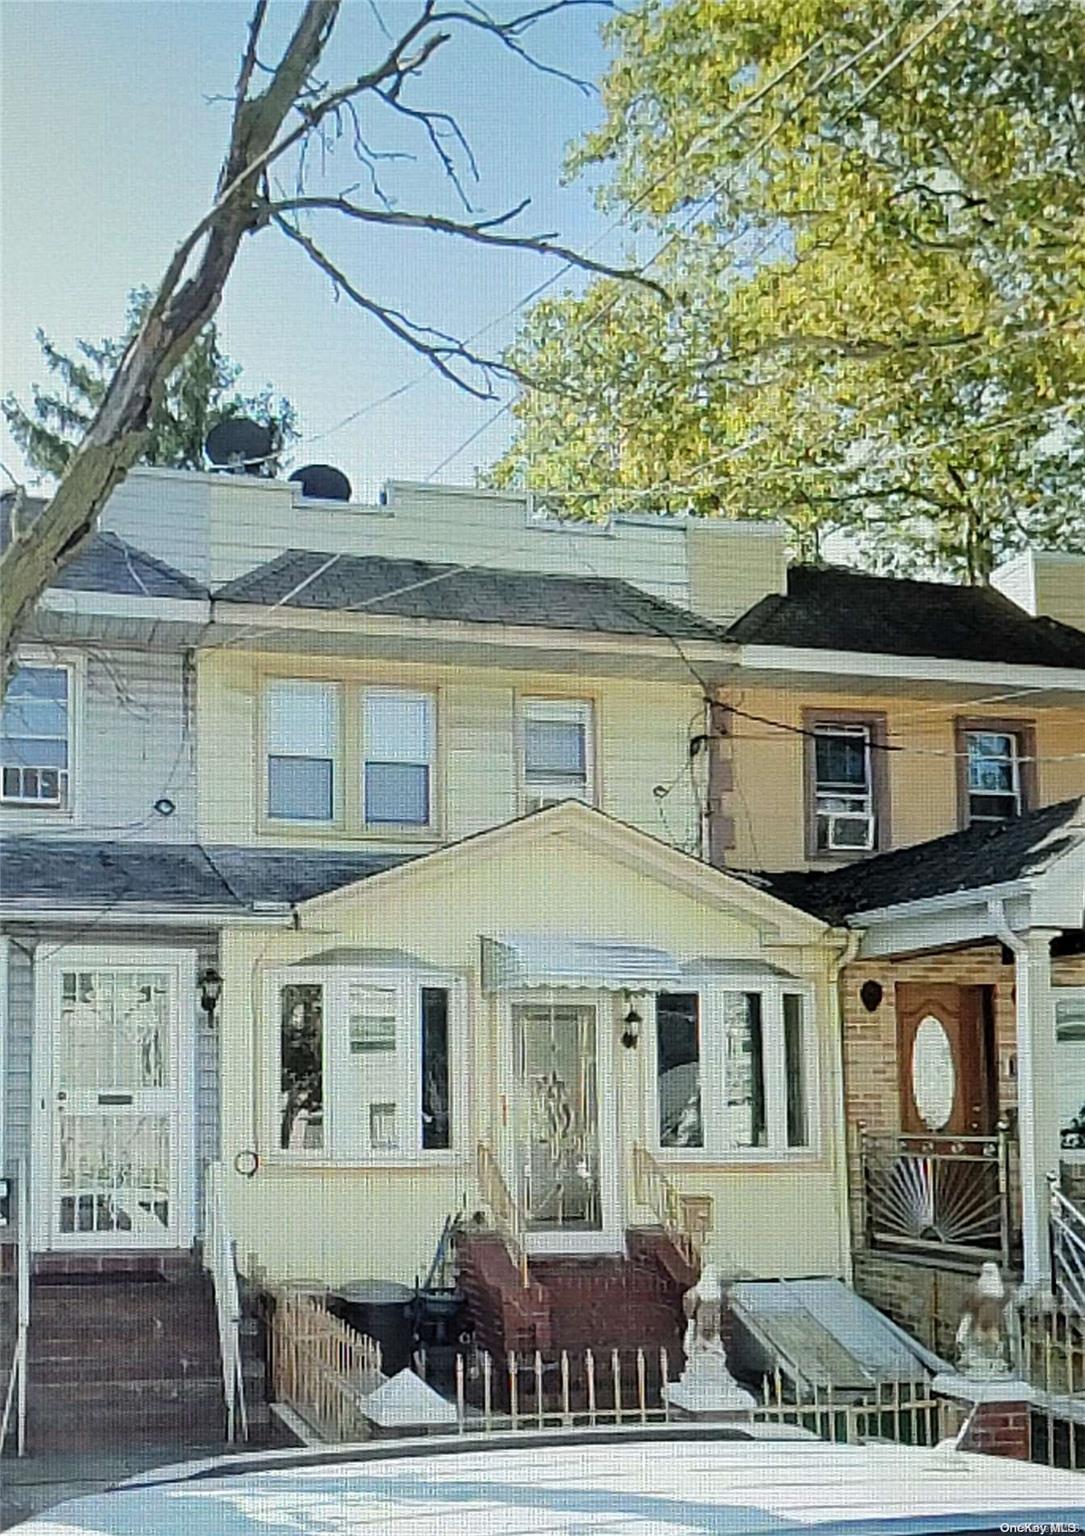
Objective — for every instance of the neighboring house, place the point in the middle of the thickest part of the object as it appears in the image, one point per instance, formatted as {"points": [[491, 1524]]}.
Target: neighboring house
{"points": [[870, 718]]}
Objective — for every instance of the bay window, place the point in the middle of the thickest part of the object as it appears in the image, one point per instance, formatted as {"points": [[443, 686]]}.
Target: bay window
{"points": [[733, 1071], [362, 1065]]}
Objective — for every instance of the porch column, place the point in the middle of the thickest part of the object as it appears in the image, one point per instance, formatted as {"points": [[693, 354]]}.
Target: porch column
{"points": [[1037, 1100]]}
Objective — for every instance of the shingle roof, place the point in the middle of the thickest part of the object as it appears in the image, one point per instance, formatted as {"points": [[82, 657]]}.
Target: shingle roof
{"points": [[106, 563], [983, 855], [841, 610], [424, 589], [109, 564], [66, 872]]}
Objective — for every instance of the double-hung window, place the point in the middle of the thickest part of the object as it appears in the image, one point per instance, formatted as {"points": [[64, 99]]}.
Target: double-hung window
{"points": [[844, 787], [302, 735], [362, 1064], [557, 749], [994, 775], [398, 743], [35, 738], [733, 1072]]}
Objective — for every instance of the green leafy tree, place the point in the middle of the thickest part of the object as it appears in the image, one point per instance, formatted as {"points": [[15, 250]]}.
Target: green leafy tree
{"points": [[200, 392], [871, 220]]}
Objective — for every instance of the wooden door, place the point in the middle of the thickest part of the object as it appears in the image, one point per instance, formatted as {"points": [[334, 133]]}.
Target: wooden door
{"points": [[945, 1060]]}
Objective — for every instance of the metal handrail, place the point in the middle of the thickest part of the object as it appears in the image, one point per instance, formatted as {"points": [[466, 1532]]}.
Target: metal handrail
{"points": [[509, 1217], [1068, 1247], [220, 1260], [686, 1219], [15, 1397]]}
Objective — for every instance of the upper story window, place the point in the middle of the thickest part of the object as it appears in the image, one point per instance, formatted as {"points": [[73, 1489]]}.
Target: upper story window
{"points": [[995, 769], [846, 786], [35, 738], [994, 775], [302, 726], [359, 757], [733, 1072], [398, 739], [363, 1065], [557, 750]]}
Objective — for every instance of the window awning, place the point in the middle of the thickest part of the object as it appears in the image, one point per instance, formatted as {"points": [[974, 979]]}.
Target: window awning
{"points": [[516, 961]]}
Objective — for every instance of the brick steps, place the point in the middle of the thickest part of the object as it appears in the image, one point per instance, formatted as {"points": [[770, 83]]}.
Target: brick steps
{"points": [[129, 1356], [574, 1303]]}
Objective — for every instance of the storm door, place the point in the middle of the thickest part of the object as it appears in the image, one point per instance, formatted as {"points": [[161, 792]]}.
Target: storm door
{"points": [[558, 1143], [120, 1165]]}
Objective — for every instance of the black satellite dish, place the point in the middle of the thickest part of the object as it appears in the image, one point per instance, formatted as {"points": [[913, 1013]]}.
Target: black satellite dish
{"points": [[320, 482], [240, 444]]}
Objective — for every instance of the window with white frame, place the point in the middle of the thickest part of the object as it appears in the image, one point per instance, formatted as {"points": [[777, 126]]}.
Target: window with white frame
{"points": [[556, 751], [1070, 1066], [733, 1072], [397, 743], [994, 775], [302, 738], [35, 738], [844, 799], [363, 1064]]}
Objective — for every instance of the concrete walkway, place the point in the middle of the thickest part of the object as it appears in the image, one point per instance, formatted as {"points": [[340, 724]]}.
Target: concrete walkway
{"points": [[31, 1484]]}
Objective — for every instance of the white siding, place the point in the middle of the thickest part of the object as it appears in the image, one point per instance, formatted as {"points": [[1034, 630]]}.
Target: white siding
{"points": [[133, 744], [165, 513], [18, 1065]]}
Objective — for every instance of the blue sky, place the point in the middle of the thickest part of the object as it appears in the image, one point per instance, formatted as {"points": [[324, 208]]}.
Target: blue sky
{"points": [[110, 150]]}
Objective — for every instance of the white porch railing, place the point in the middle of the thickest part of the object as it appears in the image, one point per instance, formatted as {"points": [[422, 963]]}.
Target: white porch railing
{"points": [[686, 1219], [1067, 1248], [15, 1396], [508, 1216], [220, 1259]]}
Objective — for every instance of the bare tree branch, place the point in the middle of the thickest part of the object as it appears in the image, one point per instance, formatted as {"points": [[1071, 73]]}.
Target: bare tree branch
{"points": [[248, 62], [438, 349], [480, 231]]}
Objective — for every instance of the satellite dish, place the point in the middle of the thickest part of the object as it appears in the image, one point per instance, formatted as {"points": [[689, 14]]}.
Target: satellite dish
{"points": [[320, 482], [240, 444]]}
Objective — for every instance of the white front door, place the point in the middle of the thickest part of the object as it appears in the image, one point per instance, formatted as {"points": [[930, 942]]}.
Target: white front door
{"points": [[563, 1135], [117, 1102]]}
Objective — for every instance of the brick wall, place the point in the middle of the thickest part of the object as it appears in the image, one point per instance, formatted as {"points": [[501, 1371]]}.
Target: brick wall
{"points": [[871, 1077], [925, 1300]]}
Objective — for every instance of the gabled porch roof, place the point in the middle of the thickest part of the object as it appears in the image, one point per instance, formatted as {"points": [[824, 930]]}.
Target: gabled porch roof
{"points": [[940, 892]]}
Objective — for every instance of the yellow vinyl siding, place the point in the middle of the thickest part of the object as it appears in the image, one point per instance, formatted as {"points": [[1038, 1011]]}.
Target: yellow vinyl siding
{"points": [[769, 799], [642, 733], [334, 1222]]}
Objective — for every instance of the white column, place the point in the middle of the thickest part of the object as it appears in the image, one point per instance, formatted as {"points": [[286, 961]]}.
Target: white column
{"points": [[1037, 1100]]}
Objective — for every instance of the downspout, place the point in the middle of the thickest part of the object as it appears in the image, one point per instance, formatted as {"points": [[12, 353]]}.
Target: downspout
{"points": [[848, 951], [1033, 1177]]}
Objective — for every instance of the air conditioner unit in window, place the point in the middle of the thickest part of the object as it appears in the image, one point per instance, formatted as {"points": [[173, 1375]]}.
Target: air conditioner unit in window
{"points": [[849, 831]]}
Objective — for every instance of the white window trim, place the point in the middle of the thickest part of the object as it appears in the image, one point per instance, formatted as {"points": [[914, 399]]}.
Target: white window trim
{"points": [[772, 990], [394, 828], [1074, 1155], [339, 977], [75, 666], [301, 823], [529, 793], [1014, 761], [866, 809]]}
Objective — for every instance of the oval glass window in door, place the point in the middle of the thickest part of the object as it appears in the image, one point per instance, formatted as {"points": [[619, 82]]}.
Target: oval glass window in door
{"points": [[934, 1077]]}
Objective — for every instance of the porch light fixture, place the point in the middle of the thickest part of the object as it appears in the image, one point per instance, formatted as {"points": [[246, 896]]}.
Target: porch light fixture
{"points": [[210, 985], [631, 1026]]}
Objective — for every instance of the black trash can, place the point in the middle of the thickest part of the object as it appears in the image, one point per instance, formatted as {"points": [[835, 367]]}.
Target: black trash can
{"points": [[382, 1310]]}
